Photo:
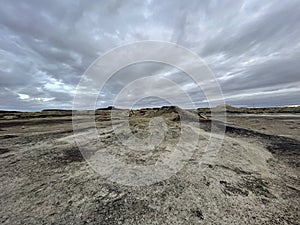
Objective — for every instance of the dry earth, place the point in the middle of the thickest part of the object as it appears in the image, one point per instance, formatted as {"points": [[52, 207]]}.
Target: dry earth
{"points": [[253, 180]]}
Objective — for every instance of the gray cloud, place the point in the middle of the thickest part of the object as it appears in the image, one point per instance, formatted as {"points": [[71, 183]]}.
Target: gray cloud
{"points": [[253, 48]]}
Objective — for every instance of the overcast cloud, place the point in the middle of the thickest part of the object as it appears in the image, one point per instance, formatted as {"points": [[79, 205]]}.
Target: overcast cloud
{"points": [[253, 48]]}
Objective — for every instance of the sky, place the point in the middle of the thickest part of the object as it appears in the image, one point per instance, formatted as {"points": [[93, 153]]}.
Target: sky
{"points": [[252, 48]]}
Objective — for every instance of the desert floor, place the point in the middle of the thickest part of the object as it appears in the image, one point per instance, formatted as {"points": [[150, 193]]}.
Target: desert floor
{"points": [[254, 178]]}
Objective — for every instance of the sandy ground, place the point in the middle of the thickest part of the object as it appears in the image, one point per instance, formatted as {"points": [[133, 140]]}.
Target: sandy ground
{"points": [[253, 180]]}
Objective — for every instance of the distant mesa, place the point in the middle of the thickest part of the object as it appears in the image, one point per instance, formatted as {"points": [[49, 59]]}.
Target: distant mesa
{"points": [[107, 108], [225, 107], [56, 110]]}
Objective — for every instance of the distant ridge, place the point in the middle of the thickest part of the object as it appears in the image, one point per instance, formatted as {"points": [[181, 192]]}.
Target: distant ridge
{"points": [[220, 108]]}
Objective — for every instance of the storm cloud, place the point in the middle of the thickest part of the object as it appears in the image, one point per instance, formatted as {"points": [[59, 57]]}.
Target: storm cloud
{"points": [[252, 47]]}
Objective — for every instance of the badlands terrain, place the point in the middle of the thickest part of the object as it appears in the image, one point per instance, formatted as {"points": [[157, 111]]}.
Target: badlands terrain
{"points": [[253, 179]]}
